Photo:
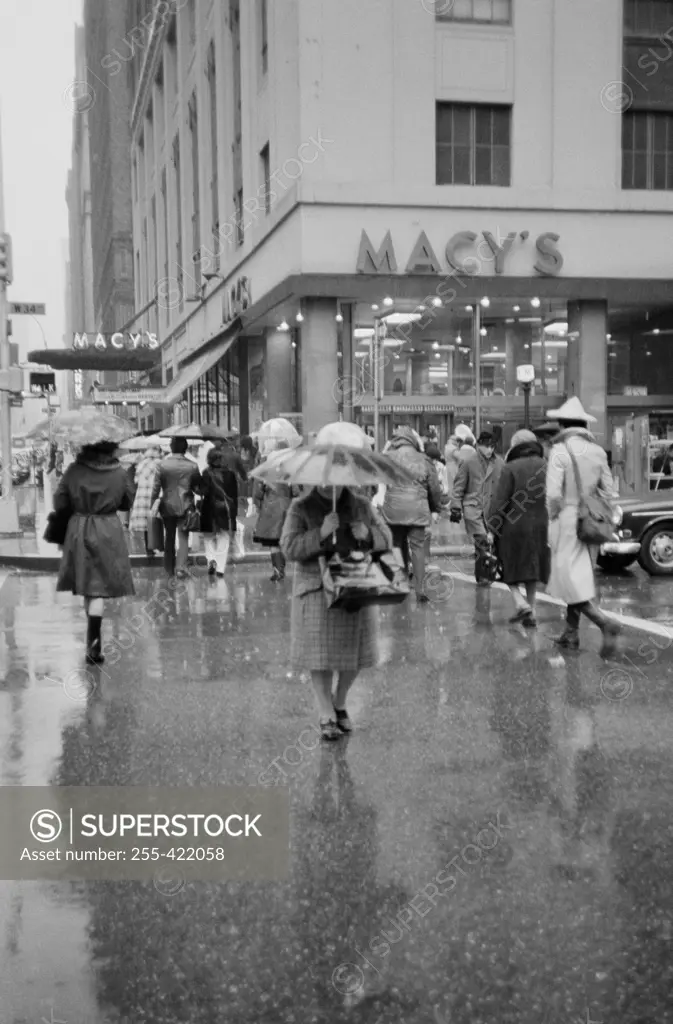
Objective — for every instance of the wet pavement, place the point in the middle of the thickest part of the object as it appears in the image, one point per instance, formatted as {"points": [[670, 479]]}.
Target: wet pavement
{"points": [[493, 843]]}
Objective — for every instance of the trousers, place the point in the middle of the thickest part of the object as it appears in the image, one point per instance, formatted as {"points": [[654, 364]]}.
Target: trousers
{"points": [[172, 533], [411, 542]]}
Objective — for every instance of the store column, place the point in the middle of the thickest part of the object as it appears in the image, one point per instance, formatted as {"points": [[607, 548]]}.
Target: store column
{"points": [[278, 373], [320, 385], [587, 360]]}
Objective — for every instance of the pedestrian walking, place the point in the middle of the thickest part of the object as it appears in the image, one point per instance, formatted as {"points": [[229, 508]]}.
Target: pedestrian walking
{"points": [[408, 508], [455, 451], [331, 640], [175, 486], [145, 476], [95, 562], [219, 490], [576, 458], [272, 502], [472, 499], [519, 523]]}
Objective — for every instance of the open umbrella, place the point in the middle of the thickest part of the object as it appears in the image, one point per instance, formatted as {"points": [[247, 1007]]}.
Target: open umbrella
{"points": [[90, 426], [278, 429], [199, 432], [141, 443]]}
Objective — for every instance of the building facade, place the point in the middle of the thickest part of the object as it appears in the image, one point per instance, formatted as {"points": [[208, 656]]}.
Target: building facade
{"points": [[79, 268], [380, 210], [110, 163]]}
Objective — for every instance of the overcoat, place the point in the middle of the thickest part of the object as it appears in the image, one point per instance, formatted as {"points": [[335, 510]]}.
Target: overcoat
{"points": [[95, 561], [519, 520], [272, 503], [219, 489], [572, 571]]}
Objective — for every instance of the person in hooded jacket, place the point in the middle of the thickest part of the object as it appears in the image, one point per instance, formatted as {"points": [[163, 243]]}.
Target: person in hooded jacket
{"points": [[219, 490], [95, 562], [408, 509], [519, 523]]}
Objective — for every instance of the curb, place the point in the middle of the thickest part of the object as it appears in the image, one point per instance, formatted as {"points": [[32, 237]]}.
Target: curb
{"points": [[51, 563]]}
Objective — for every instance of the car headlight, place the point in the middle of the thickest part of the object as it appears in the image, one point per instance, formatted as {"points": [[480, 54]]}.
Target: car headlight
{"points": [[617, 515]]}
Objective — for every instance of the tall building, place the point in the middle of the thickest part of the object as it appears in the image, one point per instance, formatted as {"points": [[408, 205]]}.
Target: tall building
{"points": [[79, 272], [109, 119], [382, 210]]}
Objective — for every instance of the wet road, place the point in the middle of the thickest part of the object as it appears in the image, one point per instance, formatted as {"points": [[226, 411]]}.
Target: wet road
{"points": [[493, 843]]}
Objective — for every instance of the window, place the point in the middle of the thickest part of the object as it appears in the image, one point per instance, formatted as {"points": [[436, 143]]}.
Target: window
{"points": [[238, 214], [214, 179], [196, 206], [647, 150], [265, 162], [495, 11], [473, 144], [647, 17], [264, 33], [164, 205]]}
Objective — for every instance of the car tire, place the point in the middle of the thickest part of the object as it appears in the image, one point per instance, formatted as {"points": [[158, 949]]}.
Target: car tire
{"points": [[615, 563], [661, 563]]}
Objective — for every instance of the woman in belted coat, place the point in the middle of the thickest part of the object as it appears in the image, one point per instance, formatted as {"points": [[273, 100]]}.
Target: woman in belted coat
{"points": [[328, 641], [572, 570], [95, 561]]}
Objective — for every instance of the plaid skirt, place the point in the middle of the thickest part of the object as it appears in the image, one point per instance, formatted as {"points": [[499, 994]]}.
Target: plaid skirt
{"points": [[330, 639]]}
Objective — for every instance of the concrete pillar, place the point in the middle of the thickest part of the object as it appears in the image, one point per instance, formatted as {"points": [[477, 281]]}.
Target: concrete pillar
{"points": [[449, 371], [420, 375], [587, 360], [319, 365], [278, 372], [351, 390]]}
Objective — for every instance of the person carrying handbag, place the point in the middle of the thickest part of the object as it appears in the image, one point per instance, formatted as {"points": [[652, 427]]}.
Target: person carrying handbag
{"points": [[578, 478], [177, 482]]}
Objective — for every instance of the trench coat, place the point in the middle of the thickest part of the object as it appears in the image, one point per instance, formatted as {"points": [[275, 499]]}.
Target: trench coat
{"points": [[272, 504], [95, 561], [519, 520], [572, 570]]}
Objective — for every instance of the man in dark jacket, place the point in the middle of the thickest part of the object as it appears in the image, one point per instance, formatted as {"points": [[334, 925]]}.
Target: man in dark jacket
{"points": [[472, 498], [408, 510], [177, 481]]}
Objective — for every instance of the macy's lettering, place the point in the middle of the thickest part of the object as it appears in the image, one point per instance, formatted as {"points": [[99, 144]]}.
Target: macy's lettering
{"points": [[118, 341], [462, 255]]}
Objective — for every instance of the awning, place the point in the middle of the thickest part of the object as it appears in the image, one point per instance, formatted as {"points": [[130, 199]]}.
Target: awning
{"points": [[95, 359], [190, 372]]}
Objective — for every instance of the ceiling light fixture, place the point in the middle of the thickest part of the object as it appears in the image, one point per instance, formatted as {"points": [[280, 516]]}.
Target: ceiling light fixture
{"points": [[516, 309], [299, 317], [387, 301], [284, 326], [486, 302], [535, 303], [468, 309], [437, 302], [483, 332]]}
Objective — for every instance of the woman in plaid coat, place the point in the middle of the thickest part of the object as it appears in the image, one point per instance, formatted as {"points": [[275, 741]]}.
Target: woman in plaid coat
{"points": [[328, 641], [146, 471]]}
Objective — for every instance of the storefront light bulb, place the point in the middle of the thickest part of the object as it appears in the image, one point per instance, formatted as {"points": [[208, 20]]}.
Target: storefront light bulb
{"points": [[339, 318], [294, 344], [437, 302], [515, 309], [486, 302], [459, 339], [437, 355], [387, 301], [468, 309], [483, 332], [374, 307], [535, 303], [299, 317], [435, 344], [655, 331], [284, 326]]}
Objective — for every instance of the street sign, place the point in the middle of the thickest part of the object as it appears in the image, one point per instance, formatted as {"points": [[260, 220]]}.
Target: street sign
{"points": [[41, 382], [27, 308]]}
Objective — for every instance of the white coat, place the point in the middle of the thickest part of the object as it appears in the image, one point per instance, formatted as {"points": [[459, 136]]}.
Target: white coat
{"points": [[572, 570]]}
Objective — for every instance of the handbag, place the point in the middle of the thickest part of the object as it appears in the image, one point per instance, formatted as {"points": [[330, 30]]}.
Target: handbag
{"points": [[360, 580], [594, 513], [57, 527], [191, 522]]}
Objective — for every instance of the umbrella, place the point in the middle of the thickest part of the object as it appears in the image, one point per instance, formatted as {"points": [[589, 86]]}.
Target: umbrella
{"points": [[139, 444], [199, 432], [278, 429], [90, 426]]}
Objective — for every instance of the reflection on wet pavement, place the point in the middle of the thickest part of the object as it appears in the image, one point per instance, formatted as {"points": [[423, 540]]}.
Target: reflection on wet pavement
{"points": [[492, 844]]}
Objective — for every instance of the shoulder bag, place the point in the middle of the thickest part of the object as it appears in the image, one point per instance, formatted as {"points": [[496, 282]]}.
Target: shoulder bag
{"points": [[57, 527], [594, 513]]}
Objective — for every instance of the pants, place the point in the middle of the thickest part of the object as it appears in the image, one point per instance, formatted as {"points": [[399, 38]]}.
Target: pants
{"points": [[172, 530], [475, 527], [217, 548], [411, 542]]}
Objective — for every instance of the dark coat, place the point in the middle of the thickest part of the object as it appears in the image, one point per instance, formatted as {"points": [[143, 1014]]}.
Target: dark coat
{"points": [[219, 487], [411, 505], [95, 560], [519, 520], [272, 503], [476, 482], [177, 480]]}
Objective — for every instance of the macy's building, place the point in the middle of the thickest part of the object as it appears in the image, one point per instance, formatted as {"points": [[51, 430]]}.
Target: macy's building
{"points": [[304, 169]]}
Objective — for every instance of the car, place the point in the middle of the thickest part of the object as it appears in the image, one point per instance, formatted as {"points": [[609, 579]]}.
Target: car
{"points": [[644, 532]]}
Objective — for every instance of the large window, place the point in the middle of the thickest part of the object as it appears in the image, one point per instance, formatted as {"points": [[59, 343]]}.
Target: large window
{"points": [[499, 11], [473, 144], [647, 150], [647, 17]]}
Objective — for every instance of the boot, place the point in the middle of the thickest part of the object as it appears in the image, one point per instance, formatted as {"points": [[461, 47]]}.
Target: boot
{"points": [[570, 637], [281, 566], [93, 640], [608, 627], [275, 575]]}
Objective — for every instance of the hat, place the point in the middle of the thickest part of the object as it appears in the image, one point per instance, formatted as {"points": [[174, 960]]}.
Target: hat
{"points": [[341, 432], [547, 430], [523, 437], [463, 433], [571, 410], [486, 437]]}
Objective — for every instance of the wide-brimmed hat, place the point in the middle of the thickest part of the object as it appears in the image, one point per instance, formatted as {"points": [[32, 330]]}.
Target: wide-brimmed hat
{"points": [[463, 433], [571, 410]]}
